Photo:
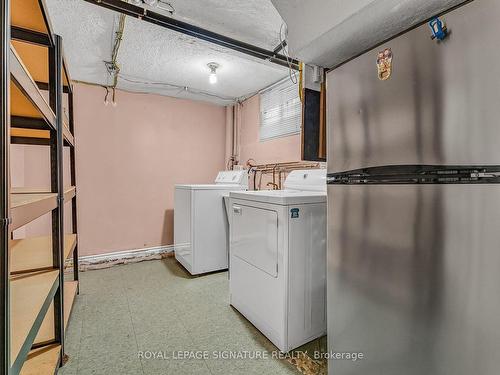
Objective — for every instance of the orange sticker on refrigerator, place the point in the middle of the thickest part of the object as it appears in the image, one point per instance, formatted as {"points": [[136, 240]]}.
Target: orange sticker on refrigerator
{"points": [[384, 64]]}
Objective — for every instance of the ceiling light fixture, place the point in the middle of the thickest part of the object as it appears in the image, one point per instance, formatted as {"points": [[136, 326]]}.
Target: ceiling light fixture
{"points": [[213, 72]]}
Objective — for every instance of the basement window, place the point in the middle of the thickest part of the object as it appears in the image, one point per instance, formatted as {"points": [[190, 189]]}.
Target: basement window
{"points": [[280, 111]]}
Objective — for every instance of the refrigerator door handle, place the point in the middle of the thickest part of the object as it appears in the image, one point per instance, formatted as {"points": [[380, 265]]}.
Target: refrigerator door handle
{"points": [[485, 175], [415, 174]]}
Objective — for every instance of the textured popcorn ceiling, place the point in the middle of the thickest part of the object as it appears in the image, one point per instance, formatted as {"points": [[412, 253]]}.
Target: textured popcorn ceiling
{"points": [[151, 57], [253, 21], [328, 32]]}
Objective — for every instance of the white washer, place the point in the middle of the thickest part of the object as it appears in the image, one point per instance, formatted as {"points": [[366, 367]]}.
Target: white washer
{"points": [[200, 225], [278, 259]]}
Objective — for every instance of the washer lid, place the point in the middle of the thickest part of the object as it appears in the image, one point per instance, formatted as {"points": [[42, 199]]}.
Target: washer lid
{"points": [[236, 180], [281, 197], [209, 187]]}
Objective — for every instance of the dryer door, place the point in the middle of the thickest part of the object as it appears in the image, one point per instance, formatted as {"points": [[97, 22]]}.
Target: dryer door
{"points": [[255, 237]]}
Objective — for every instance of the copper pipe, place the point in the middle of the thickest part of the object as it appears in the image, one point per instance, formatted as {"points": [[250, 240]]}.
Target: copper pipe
{"points": [[278, 170], [284, 165], [275, 186]]}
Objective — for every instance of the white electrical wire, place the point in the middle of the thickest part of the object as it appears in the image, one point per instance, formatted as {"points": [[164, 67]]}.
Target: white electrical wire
{"points": [[284, 48], [166, 6], [171, 86], [160, 4]]}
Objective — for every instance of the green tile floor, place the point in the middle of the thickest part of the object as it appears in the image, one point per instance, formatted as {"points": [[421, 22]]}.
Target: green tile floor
{"points": [[154, 307]]}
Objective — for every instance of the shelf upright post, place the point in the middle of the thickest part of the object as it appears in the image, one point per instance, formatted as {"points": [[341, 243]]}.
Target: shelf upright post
{"points": [[74, 217], [57, 184], [4, 188]]}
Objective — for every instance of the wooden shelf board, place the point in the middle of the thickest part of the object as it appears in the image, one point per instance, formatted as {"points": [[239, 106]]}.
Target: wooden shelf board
{"points": [[35, 254], [27, 198], [68, 137], [22, 79], [69, 193], [29, 293], [41, 134], [28, 14], [42, 360], [29, 204], [46, 333], [35, 58], [38, 190], [30, 133], [28, 190], [27, 207], [27, 100], [70, 292], [20, 104]]}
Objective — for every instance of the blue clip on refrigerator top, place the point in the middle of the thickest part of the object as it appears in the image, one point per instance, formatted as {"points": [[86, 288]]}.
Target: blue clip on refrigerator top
{"points": [[438, 28]]}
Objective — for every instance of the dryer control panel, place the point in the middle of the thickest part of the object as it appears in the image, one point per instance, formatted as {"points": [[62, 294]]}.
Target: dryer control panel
{"points": [[306, 180]]}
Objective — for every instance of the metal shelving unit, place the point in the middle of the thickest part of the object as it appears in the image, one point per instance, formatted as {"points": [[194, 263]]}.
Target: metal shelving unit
{"points": [[35, 300]]}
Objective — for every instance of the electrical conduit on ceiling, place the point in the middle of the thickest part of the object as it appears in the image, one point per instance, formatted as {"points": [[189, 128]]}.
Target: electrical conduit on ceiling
{"points": [[112, 66], [116, 48], [113, 69]]}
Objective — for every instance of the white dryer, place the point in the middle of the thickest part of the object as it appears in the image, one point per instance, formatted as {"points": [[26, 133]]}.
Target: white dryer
{"points": [[200, 225], [278, 259]]}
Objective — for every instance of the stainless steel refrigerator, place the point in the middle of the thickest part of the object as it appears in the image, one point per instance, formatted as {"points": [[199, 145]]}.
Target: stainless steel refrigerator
{"points": [[414, 203]]}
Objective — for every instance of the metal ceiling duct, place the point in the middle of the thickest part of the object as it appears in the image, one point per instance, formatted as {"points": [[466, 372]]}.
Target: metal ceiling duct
{"points": [[330, 32], [197, 32]]}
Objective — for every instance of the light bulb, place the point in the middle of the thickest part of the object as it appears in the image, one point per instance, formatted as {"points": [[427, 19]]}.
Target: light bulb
{"points": [[137, 2], [151, 2], [213, 78]]}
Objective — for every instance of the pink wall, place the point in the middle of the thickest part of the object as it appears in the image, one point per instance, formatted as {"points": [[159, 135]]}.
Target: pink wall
{"points": [[30, 167], [130, 157], [284, 149]]}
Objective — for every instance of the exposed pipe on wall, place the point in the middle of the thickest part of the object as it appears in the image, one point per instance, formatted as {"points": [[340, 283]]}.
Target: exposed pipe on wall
{"points": [[278, 172], [234, 140], [237, 131], [230, 124]]}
